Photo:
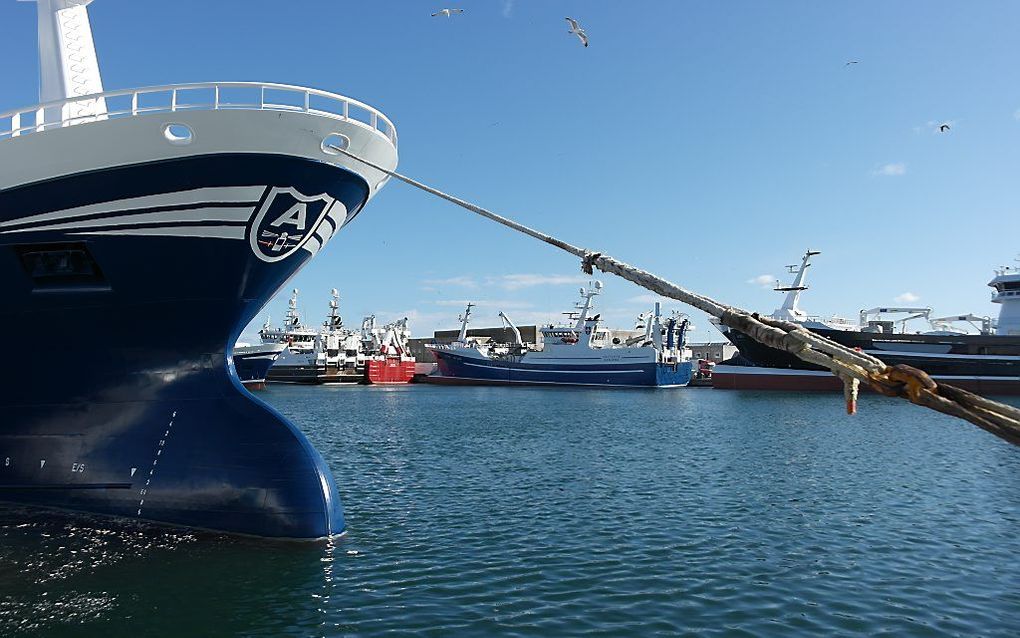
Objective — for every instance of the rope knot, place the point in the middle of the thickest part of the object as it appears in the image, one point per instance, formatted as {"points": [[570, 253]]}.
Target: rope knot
{"points": [[902, 379], [588, 262]]}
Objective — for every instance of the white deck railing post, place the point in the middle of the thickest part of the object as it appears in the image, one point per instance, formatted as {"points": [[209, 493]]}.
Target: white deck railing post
{"points": [[18, 125]]}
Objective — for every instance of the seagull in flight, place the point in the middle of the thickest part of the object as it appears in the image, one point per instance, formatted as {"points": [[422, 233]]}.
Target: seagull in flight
{"points": [[943, 128], [851, 62], [576, 29], [447, 12]]}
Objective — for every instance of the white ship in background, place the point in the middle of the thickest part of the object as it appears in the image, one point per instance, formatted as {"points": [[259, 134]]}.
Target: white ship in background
{"points": [[334, 354]]}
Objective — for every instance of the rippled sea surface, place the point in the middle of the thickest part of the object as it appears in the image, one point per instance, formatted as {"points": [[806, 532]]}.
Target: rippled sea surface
{"points": [[568, 512]]}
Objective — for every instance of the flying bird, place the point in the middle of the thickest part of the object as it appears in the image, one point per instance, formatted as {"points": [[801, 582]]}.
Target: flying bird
{"points": [[447, 12], [943, 128], [850, 62], [576, 29]]}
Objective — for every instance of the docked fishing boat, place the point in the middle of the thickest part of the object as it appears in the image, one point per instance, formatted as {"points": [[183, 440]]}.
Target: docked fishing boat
{"points": [[145, 228], [387, 360], [324, 355], [335, 354], [583, 353], [252, 362], [974, 352]]}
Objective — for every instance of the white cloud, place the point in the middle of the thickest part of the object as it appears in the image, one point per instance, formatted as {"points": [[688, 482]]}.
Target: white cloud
{"points": [[891, 170], [463, 281], [522, 280], [765, 281], [907, 297], [508, 8]]}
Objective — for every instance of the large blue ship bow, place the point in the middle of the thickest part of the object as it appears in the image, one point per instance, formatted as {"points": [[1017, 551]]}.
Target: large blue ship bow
{"points": [[136, 242]]}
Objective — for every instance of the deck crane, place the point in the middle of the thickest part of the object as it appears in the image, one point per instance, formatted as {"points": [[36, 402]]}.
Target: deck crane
{"points": [[517, 333], [919, 313], [985, 328]]}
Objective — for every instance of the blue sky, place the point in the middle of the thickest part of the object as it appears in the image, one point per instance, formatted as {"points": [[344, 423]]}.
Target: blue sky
{"points": [[710, 142]]}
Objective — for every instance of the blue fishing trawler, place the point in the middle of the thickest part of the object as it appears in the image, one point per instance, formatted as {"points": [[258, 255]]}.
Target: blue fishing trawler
{"points": [[584, 353], [143, 229], [252, 362]]}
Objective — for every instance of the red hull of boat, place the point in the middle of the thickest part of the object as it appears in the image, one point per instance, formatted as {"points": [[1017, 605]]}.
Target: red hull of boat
{"points": [[389, 371]]}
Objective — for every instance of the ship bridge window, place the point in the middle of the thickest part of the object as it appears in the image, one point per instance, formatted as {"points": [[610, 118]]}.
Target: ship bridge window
{"points": [[1010, 285], [59, 266]]}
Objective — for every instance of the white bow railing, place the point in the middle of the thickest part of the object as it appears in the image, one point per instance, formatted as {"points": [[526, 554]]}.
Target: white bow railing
{"points": [[214, 96]]}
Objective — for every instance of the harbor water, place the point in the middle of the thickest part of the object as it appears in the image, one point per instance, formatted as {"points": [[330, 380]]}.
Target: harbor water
{"points": [[572, 512]]}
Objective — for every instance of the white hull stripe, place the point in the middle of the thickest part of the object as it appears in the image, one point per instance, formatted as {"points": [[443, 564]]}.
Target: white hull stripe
{"points": [[476, 365], [782, 372], [596, 385], [237, 214], [195, 197], [935, 355], [209, 232]]}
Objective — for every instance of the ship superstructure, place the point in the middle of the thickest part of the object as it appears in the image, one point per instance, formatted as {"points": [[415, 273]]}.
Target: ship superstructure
{"points": [[1006, 285], [146, 227]]}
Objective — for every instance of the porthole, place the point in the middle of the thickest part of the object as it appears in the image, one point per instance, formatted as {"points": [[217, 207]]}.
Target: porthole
{"points": [[178, 134], [333, 143]]}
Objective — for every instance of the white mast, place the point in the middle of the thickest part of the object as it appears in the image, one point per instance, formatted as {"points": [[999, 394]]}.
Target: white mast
{"points": [[585, 305], [334, 321], [789, 310], [462, 337], [293, 319], [68, 66], [657, 327]]}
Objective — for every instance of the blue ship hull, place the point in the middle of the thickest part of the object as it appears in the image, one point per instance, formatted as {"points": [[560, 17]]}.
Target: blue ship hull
{"points": [[456, 368], [124, 402], [251, 369]]}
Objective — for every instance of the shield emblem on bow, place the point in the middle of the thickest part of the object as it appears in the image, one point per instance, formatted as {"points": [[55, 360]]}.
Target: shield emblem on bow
{"points": [[286, 220]]}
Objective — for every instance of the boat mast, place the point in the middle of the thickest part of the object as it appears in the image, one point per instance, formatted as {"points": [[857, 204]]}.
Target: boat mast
{"points": [[334, 322], [586, 304], [68, 66], [462, 336], [657, 326], [789, 310], [293, 319]]}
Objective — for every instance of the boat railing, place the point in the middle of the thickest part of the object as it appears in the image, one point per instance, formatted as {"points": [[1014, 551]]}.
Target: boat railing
{"points": [[215, 96]]}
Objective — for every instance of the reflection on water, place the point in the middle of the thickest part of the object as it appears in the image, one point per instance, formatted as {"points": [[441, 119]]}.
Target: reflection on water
{"points": [[62, 573], [538, 512]]}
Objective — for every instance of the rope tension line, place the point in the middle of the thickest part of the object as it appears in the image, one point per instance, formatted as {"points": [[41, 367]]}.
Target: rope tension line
{"points": [[851, 366]]}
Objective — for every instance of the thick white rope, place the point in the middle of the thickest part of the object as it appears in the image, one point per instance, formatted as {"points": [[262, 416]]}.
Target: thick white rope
{"points": [[851, 366]]}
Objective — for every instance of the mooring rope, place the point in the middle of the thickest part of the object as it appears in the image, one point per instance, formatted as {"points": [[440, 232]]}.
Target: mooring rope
{"points": [[851, 366]]}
